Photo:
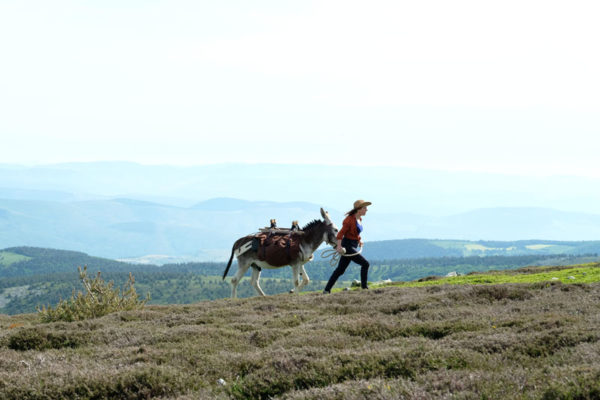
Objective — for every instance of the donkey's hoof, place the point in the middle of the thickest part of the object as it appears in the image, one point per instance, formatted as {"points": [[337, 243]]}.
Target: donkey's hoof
{"points": [[291, 290]]}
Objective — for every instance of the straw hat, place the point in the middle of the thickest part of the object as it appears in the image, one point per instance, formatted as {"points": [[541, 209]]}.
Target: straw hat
{"points": [[361, 203]]}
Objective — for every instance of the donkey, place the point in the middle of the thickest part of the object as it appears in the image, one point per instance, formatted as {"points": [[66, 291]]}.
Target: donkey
{"points": [[313, 234]]}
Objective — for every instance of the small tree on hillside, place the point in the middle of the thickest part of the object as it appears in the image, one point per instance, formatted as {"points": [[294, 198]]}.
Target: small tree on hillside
{"points": [[100, 298]]}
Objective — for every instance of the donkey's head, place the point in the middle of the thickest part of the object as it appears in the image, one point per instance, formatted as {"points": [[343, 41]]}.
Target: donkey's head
{"points": [[331, 231]]}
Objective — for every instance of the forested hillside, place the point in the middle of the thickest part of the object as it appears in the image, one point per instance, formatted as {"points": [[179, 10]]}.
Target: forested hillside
{"points": [[31, 277]]}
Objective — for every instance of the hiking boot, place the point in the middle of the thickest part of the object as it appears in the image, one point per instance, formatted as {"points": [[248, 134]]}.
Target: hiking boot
{"points": [[326, 292]]}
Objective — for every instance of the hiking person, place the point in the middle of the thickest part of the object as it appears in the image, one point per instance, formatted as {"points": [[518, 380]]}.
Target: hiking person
{"points": [[348, 242]]}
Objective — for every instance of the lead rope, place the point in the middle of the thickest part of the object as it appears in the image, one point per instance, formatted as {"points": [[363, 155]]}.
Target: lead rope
{"points": [[335, 256]]}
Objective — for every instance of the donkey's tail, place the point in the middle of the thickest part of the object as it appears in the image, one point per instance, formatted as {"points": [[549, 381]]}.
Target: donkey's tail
{"points": [[229, 263]]}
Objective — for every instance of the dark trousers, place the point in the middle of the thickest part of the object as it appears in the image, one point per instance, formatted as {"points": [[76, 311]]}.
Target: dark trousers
{"points": [[351, 247]]}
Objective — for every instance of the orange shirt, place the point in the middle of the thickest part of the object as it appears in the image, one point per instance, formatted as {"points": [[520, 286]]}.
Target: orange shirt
{"points": [[349, 229]]}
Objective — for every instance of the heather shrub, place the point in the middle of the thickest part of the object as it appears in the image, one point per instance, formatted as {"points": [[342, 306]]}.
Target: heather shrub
{"points": [[277, 374], [144, 383], [376, 330], [492, 293], [439, 330], [554, 340], [263, 338], [377, 389], [545, 285], [513, 341], [284, 373], [398, 308], [586, 386], [40, 339], [100, 298], [372, 329]]}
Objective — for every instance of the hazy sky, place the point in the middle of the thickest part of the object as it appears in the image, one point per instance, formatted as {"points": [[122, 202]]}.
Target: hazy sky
{"points": [[506, 86]]}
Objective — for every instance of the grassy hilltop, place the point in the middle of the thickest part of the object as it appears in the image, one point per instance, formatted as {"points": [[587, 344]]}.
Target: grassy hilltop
{"points": [[539, 338]]}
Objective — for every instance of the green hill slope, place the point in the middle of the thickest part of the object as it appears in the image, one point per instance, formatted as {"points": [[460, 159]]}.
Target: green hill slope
{"points": [[509, 341], [420, 248], [31, 277], [28, 261]]}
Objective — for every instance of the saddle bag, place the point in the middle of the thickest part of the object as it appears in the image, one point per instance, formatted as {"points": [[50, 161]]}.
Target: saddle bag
{"points": [[277, 249]]}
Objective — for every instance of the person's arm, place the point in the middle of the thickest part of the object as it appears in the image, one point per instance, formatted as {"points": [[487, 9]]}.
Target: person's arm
{"points": [[339, 247], [343, 230]]}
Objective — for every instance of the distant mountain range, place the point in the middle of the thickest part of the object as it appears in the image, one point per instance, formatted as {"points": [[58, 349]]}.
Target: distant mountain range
{"points": [[163, 214], [129, 229], [120, 228], [391, 189]]}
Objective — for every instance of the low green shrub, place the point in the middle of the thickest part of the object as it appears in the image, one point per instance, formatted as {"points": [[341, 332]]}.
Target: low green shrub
{"points": [[101, 298], [429, 278]]}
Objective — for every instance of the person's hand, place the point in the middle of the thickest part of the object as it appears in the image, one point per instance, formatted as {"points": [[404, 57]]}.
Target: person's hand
{"points": [[339, 249], [361, 244]]}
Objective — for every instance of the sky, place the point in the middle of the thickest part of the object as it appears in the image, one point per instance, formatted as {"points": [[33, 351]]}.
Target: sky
{"points": [[510, 87]]}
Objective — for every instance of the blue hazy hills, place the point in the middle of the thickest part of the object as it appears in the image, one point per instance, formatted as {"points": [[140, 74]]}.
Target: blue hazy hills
{"points": [[121, 210]]}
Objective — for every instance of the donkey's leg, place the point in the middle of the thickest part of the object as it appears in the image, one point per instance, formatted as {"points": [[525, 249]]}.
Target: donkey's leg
{"points": [[255, 278], [295, 278], [242, 268], [304, 276]]}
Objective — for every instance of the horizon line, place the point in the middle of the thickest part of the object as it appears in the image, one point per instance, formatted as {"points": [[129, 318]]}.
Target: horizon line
{"points": [[516, 171]]}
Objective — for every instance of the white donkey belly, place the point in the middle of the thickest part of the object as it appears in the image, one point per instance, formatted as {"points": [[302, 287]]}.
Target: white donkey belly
{"points": [[303, 259], [266, 265]]}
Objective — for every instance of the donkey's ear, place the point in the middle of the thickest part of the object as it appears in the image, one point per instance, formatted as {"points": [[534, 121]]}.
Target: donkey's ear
{"points": [[325, 215]]}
